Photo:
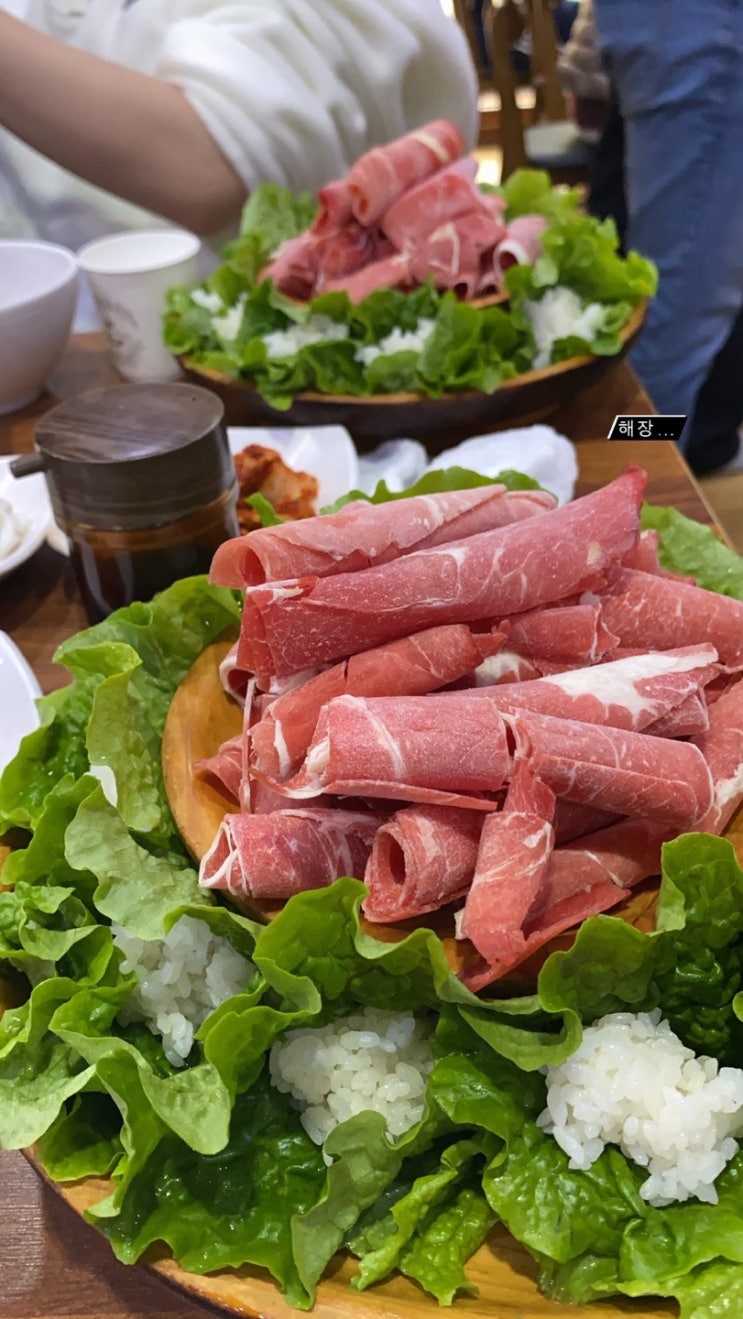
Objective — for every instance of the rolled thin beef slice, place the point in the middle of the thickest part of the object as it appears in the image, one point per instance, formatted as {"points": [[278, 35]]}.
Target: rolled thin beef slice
{"points": [[444, 199], [234, 679], [383, 174], [721, 745], [411, 666], [343, 253], [421, 859], [452, 254], [573, 820], [658, 613], [515, 848], [630, 773], [599, 871], [506, 666], [686, 720], [390, 271], [574, 633], [582, 880], [645, 558], [294, 266], [492, 574], [401, 748], [226, 766], [362, 535], [521, 244], [629, 693], [275, 856]]}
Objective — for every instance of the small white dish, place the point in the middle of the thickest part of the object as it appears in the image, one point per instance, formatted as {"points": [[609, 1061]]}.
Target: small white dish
{"points": [[19, 691], [326, 452], [29, 498], [38, 292]]}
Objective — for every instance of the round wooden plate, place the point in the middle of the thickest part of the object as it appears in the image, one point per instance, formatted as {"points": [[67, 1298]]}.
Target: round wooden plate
{"points": [[200, 718], [437, 422], [503, 1272]]}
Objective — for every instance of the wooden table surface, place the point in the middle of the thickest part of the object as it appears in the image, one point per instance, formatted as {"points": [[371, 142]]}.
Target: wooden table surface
{"points": [[53, 1266]]}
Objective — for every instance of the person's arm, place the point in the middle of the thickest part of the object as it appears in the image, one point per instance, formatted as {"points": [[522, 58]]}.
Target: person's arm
{"points": [[134, 135]]}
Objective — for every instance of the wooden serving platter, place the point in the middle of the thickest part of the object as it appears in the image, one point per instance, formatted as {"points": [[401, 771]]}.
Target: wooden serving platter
{"points": [[501, 1269], [437, 422]]}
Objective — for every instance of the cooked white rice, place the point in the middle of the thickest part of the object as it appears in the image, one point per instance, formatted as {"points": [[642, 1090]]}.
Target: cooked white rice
{"points": [[209, 301], [558, 314], [227, 326], [317, 329], [397, 341], [182, 978], [632, 1083], [12, 529], [375, 1060]]}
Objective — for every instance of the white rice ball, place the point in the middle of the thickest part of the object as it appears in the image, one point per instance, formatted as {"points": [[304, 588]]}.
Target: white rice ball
{"points": [[316, 329], [632, 1083], [397, 341], [376, 1061], [182, 978], [558, 314]]}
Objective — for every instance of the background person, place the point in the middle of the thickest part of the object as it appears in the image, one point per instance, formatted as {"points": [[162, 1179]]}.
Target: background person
{"points": [[117, 110]]}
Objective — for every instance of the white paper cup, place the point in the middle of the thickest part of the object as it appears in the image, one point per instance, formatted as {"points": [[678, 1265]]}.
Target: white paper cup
{"points": [[129, 275]]}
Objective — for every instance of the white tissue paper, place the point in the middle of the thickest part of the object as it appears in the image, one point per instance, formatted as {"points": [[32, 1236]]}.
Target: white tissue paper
{"points": [[536, 451], [398, 462]]}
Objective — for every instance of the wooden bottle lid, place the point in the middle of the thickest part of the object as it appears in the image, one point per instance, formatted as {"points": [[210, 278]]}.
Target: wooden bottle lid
{"points": [[134, 456]]}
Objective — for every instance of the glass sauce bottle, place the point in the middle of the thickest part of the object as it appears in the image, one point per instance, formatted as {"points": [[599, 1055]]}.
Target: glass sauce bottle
{"points": [[143, 484]]}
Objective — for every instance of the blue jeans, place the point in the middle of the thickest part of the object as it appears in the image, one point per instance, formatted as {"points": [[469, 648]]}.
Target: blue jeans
{"points": [[677, 66]]}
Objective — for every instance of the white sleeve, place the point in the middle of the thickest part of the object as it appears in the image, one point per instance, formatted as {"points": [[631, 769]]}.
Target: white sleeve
{"points": [[294, 91]]}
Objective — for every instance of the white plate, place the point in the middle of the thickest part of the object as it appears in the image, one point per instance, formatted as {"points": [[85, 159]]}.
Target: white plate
{"points": [[326, 452], [18, 692], [30, 500]]}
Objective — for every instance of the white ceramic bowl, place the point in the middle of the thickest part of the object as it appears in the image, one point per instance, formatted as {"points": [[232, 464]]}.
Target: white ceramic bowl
{"points": [[29, 500], [18, 694], [38, 292]]}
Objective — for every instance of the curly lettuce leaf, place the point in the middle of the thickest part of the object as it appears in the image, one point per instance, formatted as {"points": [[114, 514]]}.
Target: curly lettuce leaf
{"points": [[436, 483], [439, 1210], [531, 192], [234, 1208], [38, 1070], [581, 253], [694, 550], [146, 649], [135, 888], [84, 1141]]}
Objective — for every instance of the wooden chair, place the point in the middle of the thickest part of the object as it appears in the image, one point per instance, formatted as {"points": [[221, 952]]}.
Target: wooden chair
{"points": [[552, 142], [465, 19]]}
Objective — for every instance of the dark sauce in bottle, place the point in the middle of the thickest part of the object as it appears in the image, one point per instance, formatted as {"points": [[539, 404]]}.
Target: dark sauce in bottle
{"points": [[113, 568], [143, 484]]}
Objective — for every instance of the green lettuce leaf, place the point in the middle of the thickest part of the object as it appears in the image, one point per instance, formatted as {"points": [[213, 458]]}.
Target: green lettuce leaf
{"points": [[135, 888], [688, 547], [146, 649], [436, 483], [84, 1141], [233, 1208]]}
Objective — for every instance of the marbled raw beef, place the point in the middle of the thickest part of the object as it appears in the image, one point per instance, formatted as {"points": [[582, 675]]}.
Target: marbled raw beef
{"points": [[288, 852], [657, 613], [421, 859], [296, 623], [411, 666], [362, 535]]}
